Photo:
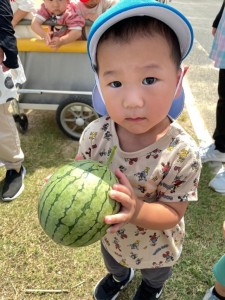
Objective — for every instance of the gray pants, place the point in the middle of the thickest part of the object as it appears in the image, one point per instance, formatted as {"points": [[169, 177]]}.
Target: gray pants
{"points": [[152, 277]]}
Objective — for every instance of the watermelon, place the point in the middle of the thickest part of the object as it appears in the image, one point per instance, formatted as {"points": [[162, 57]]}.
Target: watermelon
{"points": [[74, 202]]}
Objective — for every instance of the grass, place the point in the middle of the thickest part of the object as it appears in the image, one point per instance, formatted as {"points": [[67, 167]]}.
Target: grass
{"points": [[30, 260]]}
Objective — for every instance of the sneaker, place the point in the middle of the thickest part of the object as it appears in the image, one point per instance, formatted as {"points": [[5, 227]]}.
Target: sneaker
{"points": [[209, 295], [108, 288], [13, 184], [218, 182], [146, 292], [209, 153]]}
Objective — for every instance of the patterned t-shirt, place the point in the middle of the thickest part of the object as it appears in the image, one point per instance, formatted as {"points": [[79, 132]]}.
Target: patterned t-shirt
{"points": [[166, 171]]}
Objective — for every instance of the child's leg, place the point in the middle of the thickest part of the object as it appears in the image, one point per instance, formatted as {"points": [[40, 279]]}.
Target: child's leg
{"points": [[156, 278], [219, 273], [118, 271]]}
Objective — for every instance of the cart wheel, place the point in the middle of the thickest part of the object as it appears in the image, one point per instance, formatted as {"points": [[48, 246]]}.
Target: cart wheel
{"points": [[21, 122], [72, 116]]}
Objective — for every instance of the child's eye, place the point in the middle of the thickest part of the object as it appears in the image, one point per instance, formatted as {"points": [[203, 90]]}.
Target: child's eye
{"points": [[149, 80], [115, 84]]}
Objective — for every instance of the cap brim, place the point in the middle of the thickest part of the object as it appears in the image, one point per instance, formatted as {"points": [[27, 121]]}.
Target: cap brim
{"points": [[130, 8]]}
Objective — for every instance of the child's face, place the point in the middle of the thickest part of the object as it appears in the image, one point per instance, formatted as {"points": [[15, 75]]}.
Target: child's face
{"points": [[138, 80], [91, 3], [56, 7]]}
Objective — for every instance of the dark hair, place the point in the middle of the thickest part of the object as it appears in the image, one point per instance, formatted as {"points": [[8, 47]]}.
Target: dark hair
{"points": [[145, 26]]}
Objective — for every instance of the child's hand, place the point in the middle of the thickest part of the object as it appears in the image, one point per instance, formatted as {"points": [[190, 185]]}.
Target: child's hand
{"points": [[4, 68], [48, 38], [55, 42], [79, 157], [213, 31], [123, 193]]}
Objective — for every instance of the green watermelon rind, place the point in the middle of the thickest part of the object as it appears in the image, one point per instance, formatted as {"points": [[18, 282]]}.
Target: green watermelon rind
{"points": [[65, 222]]}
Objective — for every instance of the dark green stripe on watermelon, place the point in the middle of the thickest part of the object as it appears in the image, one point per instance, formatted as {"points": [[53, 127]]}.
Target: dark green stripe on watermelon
{"points": [[75, 201]]}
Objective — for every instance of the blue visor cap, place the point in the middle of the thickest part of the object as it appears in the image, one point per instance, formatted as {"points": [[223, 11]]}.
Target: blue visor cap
{"points": [[131, 8]]}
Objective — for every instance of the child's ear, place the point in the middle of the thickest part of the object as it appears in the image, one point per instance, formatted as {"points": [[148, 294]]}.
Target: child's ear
{"points": [[182, 72]]}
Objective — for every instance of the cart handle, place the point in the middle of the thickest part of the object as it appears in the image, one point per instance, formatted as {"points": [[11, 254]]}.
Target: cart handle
{"points": [[34, 91]]}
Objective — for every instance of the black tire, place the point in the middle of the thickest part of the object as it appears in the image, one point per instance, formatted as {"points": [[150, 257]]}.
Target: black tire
{"points": [[74, 114], [21, 122]]}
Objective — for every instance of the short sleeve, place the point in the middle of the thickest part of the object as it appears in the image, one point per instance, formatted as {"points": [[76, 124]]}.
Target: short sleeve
{"points": [[180, 176], [42, 13], [73, 20]]}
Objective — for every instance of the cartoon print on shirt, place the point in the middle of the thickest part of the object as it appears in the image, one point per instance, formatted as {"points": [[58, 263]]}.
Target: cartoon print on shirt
{"points": [[182, 155], [142, 176], [121, 233], [168, 256], [135, 245], [105, 127], [116, 243], [108, 136], [140, 230], [165, 168], [131, 161], [155, 154], [173, 144], [122, 169], [153, 239], [92, 135], [156, 265]]}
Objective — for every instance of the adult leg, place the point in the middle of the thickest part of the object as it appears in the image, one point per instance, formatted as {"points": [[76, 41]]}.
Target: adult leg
{"points": [[219, 133], [11, 154], [10, 151]]}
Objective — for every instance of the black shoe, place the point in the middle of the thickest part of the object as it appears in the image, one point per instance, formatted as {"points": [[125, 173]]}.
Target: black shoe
{"points": [[13, 184], [145, 292], [108, 288]]}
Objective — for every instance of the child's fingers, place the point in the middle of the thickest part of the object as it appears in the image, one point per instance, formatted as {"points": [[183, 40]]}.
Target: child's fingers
{"points": [[123, 179], [115, 227], [79, 157]]}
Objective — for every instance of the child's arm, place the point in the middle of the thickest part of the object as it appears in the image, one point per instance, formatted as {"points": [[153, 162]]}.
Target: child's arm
{"points": [[18, 16], [36, 26], [157, 215], [70, 37]]}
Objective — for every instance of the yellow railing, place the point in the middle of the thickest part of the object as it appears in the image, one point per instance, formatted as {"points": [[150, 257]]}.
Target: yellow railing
{"points": [[36, 45]]}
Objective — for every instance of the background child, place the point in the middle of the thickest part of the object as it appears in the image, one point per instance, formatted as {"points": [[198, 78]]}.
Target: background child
{"points": [[136, 48], [91, 9], [61, 13], [218, 291]]}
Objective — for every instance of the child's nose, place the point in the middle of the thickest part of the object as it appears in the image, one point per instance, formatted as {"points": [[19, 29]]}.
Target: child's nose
{"points": [[133, 98]]}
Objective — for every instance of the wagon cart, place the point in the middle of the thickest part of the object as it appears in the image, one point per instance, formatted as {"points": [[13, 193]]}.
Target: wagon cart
{"points": [[59, 80]]}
